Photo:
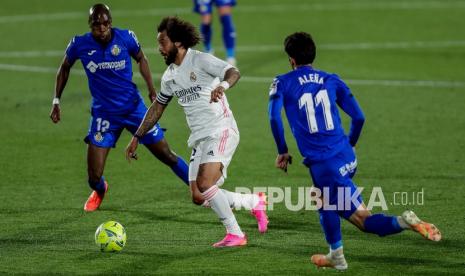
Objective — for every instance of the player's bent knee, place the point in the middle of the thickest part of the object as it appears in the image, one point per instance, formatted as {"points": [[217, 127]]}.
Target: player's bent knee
{"points": [[167, 157], [203, 184], [172, 158], [360, 225], [197, 200], [358, 219]]}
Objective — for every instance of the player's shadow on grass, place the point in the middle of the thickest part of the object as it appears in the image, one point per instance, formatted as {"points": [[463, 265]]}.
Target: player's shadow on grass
{"points": [[407, 238], [154, 260], [8, 242], [298, 250], [293, 222], [154, 216], [437, 263], [414, 239], [47, 222]]}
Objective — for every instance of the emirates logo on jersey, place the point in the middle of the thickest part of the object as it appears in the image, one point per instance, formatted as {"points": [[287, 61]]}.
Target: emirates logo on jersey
{"points": [[188, 95], [193, 77]]}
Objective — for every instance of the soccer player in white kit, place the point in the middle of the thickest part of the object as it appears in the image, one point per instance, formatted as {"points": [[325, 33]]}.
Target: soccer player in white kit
{"points": [[199, 81]]}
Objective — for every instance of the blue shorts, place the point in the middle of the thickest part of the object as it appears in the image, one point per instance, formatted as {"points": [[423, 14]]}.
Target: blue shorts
{"points": [[105, 129], [205, 6], [337, 172]]}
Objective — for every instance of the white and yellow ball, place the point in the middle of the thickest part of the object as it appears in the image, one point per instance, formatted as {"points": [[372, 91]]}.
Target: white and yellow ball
{"points": [[110, 236]]}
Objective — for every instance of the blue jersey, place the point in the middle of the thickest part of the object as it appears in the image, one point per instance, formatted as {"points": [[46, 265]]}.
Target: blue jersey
{"points": [[310, 98], [109, 70]]}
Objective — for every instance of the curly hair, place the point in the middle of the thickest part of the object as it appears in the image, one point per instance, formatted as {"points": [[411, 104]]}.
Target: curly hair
{"points": [[179, 30]]}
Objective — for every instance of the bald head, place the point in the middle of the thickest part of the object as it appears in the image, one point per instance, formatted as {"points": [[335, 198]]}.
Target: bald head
{"points": [[100, 22], [98, 12]]}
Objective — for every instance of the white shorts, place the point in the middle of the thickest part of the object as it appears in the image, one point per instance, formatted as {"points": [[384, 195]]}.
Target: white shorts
{"points": [[219, 147]]}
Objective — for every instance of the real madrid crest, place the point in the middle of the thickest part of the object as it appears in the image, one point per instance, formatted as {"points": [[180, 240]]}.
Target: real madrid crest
{"points": [[115, 50], [98, 137], [193, 77]]}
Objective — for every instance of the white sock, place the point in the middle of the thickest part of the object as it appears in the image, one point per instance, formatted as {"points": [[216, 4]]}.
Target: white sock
{"points": [[336, 252], [402, 223], [206, 204], [219, 203], [238, 200]]}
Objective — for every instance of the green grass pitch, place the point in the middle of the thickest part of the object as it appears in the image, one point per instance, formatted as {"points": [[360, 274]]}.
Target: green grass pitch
{"points": [[404, 60]]}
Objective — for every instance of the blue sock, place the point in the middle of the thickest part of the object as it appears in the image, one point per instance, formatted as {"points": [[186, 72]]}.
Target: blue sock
{"points": [[331, 224], [229, 34], [99, 187], [336, 245], [181, 169], [382, 225], [206, 30], [230, 53]]}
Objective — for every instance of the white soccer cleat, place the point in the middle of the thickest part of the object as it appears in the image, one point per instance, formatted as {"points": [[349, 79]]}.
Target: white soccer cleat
{"points": [[232, 61], [336, 261]]}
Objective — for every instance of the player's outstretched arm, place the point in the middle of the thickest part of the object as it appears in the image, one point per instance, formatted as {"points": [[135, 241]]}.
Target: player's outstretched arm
{"points": [[151, 117], [231, 77], [60, 83], [144, 70]]}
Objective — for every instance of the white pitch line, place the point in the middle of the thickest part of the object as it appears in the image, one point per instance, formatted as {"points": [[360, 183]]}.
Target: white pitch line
{"points": [[281, 8], [83, 15], [252, 79], [31, 54], [407, 83], [272, 48]]}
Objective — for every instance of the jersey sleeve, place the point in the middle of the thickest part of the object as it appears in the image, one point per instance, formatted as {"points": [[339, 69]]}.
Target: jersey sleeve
{"points": [[274, 113], [72, 51], [213, 65], [166, 94], [132, 44], [348, 103]]}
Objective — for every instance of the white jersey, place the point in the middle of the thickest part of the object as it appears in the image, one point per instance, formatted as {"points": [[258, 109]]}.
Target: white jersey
{"points": [[192, 83]]}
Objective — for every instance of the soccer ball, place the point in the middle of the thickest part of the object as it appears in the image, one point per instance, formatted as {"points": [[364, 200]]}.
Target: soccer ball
{"points": [[110, 236]]}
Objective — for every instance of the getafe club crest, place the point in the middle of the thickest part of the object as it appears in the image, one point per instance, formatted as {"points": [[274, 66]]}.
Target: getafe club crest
{"points": [[115, 50], [98, 137], [193, 77]]}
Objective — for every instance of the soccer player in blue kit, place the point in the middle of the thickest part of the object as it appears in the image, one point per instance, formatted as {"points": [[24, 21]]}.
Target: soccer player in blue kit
{"points": [[106, 53], [204, 8], [311, 98]]}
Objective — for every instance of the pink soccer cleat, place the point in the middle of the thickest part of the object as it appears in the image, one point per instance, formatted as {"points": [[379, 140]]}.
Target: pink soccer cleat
{"points": [[94, 200], [231, 240], [259, 212]]}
